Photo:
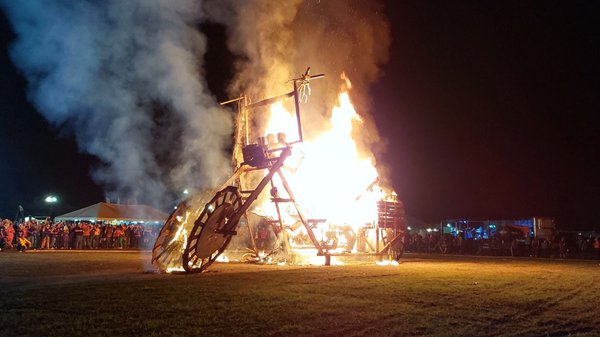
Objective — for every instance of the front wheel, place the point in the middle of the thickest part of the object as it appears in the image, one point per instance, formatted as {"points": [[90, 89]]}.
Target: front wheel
{"points": [[212, 230]]}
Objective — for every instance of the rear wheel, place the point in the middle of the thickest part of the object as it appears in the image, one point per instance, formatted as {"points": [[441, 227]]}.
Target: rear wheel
{"points": [[172, 238], [167, 249]]}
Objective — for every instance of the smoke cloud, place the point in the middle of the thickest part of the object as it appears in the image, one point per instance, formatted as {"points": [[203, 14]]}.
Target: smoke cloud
{"points": [[278, 40], [124, 78]]}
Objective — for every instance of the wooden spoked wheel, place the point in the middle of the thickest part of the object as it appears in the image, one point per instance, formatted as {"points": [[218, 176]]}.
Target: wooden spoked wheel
{"points": [[169, 244], [212, 230]]}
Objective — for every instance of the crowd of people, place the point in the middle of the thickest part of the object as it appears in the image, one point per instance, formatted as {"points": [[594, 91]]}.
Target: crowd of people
{"points": [[47, 235], [561, 246]]}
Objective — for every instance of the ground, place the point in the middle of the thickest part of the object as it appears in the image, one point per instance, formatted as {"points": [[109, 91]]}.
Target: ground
{"points": [[112, 294]]}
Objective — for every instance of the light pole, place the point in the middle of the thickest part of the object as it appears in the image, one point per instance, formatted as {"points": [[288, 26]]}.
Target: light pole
{"points": [[51, 200]]}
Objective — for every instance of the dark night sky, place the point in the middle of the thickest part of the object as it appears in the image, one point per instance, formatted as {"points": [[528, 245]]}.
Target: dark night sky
{"points": [[489, 110]]}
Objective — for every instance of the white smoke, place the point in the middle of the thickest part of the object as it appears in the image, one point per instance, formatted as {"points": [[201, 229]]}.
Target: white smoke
{"points": [[125, 76], [102, 70], [278, 40]]}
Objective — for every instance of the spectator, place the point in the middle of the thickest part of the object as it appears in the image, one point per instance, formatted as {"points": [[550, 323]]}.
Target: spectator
{"points": [[65, 236], [419, 243], [95, 232], [458, 243], [514, 247], [535, 247], [118, 237], [137, 236], [443, 245], [583, 248], [23, 232], [34, 234], [562, 248], [2, 238], [54, 233], [46, 234], [59, 239], [23, 244], [9, 235], [78, 230], [102, 243], [545, 248], [427, 243], [86, 228], [109, 236], [128, 235], [16, 233]]}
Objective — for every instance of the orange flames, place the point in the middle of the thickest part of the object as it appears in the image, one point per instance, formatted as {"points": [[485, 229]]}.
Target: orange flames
{"points": [[328, 176]]}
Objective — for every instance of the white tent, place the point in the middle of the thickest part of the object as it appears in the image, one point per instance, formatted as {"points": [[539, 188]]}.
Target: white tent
{"points": [[103, 211]]}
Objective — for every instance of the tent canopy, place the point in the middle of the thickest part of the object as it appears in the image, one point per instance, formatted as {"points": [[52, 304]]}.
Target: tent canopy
{"points": [[103, 211]]}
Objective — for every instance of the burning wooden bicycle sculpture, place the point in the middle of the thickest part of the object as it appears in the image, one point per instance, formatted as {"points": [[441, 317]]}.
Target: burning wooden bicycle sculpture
{"points": [[201, 228]]}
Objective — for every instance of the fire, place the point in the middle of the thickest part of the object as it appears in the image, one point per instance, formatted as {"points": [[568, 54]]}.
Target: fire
{"points": [[333, 178], [388, 263], [181, 234], [280, 120], [337, 206], [328, 176], [174, 269]]}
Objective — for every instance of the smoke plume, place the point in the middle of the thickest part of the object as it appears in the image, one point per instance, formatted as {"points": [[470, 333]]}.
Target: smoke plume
{"points": [[278, 40], [124, 77]]}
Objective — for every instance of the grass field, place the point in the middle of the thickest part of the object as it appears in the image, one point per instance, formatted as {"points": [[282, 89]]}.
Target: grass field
{"points": [[109, 294]]}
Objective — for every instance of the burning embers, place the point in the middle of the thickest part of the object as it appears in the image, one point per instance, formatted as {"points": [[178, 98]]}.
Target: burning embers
{"points": [[315, 197]]}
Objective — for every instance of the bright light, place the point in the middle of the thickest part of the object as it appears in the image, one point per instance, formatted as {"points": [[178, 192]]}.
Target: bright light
{"points": [[355, 204], [387, 263], [410, 229], [186, 192], [51, 199]]}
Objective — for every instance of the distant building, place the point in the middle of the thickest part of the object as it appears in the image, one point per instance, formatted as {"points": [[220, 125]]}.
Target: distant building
{"points": [[539, 227]]}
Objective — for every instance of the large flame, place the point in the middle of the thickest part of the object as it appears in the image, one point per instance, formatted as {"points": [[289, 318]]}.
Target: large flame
{"points": [[328, 176]]}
